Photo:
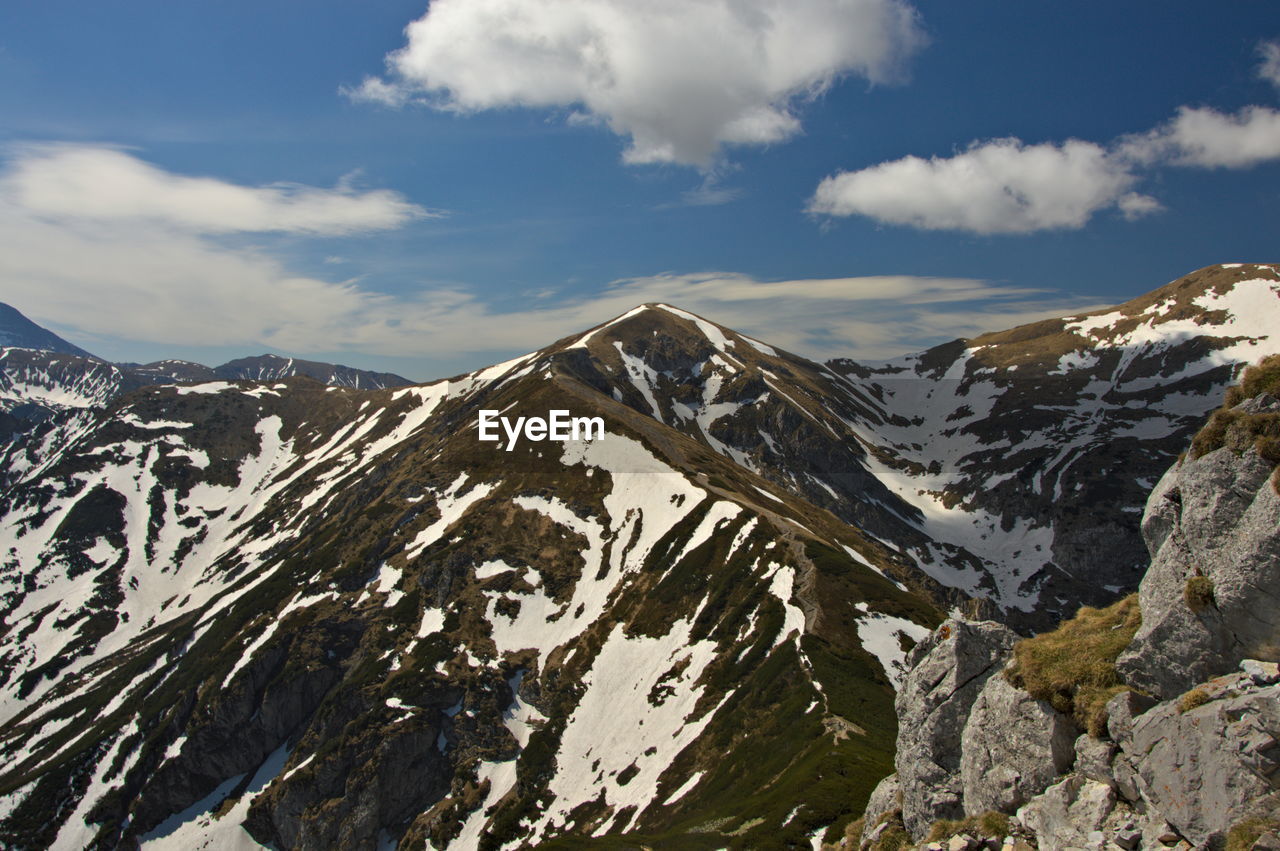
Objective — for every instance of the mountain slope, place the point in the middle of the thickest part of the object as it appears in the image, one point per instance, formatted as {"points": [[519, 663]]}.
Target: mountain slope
{"points": [[17, 331], [1034, 448], [242, 612], [351, 619]]}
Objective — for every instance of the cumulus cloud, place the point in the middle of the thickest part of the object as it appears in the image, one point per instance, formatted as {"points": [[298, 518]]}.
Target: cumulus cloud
{"points": [[1001, 186], [72, 182], [678, 78], [1007, 187], [1206, 138]]}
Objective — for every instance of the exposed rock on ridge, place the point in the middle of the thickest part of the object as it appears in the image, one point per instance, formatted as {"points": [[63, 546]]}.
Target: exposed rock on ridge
{"points": [[1212, 595], [1202, 765]]}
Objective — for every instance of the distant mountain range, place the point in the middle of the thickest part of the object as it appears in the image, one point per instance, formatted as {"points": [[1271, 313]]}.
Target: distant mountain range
{"points": [[329, 616], [43, 374]]}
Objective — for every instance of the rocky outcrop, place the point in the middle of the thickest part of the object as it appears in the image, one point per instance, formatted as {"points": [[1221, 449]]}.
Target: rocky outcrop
{"points": [[1211, 597], [1205, 768], [1189, 755], [884, 799], [1069, 812], [948, 671], [1185, 772], [1013, 747]]}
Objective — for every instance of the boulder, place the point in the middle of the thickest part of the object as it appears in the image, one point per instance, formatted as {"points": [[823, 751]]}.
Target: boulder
{"points": [[1211, 597], [1215, 764], [884, 799], [1013, 747], [1093, 758], [948, 670], [1121, 710], [1070, 814]]}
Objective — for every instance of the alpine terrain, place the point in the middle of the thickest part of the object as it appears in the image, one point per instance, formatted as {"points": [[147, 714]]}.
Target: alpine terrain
{"points": [[279, 604]]}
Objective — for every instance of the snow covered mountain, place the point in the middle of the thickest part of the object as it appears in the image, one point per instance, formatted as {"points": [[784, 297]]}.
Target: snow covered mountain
{"points": [[249, 612], [334, 617], [1034, 449], [43, 376], [270, 368]]}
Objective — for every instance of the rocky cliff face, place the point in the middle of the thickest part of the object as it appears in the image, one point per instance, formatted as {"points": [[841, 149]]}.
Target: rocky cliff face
{"points": [[1191, 753], [1213, 589]]}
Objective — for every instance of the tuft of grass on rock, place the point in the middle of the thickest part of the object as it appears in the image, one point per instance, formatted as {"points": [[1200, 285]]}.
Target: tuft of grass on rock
{"points": [[989, 825], [1240, 431], [1242, 836], [1198, 593], [1192, 699], [1262, 377], [1073, 668], [894, 837]]}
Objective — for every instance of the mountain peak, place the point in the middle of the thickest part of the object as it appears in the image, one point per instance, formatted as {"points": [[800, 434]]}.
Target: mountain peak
{"points": [[17, 331]]}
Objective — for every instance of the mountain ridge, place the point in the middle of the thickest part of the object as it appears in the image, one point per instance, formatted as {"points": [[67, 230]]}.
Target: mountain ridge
{"points": [[314, 615]]}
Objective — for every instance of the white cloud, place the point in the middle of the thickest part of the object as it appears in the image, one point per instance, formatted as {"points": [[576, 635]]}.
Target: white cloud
{"points": [[1001, 186], [133, 277], [871, 317], [1269, 67], [1206, 138], [679, 78], [1006, 187], [70, 182], [1134, 206], [180, 290]]}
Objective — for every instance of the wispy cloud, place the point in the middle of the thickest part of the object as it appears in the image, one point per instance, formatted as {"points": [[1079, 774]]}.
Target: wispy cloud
{"points": [[137, 275], [711, 192], [678, 78], [94, 184], [1269, 62]]}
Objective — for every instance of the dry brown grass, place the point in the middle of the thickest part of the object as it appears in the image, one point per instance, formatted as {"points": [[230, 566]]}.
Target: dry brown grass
{"points": [[989, 825], [1073, 668], [1242, 836], [1238, 431], [1198, 593], [1192, 699]]}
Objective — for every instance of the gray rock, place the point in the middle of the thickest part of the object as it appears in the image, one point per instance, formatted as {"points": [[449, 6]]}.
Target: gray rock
{"points": [[1269, 841], [947, 671], [1127, 838], [1013, 748], [1216, 764], [1159, 832], [1125, 778], [1093, 758], [1218, 517], [884, 798], [1121, 710], [1262, 673], [1067, 814]]}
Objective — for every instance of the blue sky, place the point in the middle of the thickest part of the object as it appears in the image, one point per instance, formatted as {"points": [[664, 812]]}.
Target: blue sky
{"points": [[840, 177]]}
